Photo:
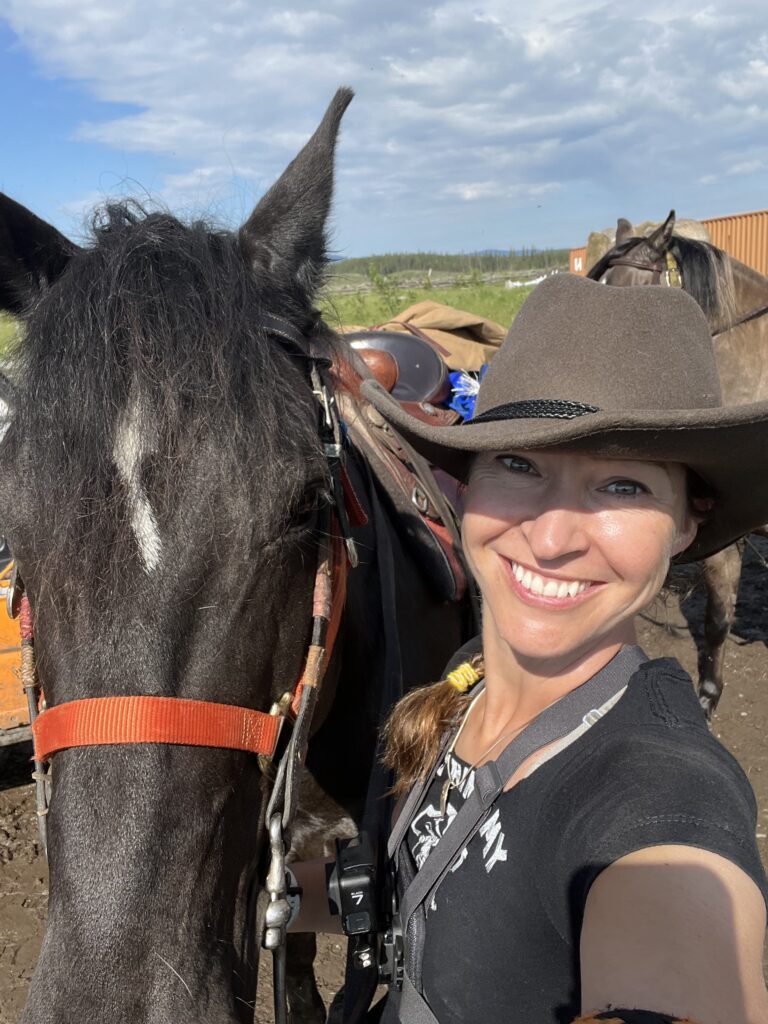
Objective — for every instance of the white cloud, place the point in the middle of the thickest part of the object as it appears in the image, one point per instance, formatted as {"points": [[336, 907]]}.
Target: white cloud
{"points": [[747, 167], [300, 24], [471, 191], [747, 82]]}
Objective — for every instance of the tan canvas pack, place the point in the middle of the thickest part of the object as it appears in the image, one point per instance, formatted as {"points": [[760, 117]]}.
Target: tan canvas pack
{"points": [[465, 340]]}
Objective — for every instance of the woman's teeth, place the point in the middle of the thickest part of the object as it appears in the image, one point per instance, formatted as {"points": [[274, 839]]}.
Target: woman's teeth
{"points": [[547, 588]]}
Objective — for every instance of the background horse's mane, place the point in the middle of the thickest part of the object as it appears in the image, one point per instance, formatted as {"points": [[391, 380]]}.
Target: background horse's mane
{"points": [[706, 273], [144, 366], [707, 277]]}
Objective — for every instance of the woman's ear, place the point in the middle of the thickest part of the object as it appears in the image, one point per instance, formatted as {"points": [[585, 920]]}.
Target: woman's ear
{"points": [[685, 534]]}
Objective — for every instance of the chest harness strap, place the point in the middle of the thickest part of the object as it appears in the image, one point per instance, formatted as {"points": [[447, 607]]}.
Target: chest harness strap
{"points": [[417, 887]]}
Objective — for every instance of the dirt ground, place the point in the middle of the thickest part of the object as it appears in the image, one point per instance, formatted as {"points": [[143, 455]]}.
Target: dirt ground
{"points": [[671, 629]]}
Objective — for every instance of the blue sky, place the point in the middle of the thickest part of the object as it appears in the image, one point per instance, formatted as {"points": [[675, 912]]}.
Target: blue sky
{"points": [[475, 125]]}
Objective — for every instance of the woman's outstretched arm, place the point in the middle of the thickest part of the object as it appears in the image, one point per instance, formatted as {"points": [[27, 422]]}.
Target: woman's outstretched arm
{"points": [[676, 930], [314, 913]]}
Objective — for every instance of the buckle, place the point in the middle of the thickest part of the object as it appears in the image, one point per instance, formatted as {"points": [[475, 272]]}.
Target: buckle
{"points": [[280, 709], [12, 589]]}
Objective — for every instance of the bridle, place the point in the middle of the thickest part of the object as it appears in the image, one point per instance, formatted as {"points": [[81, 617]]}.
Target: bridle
{"points": [[171, 720], [666, 271]]}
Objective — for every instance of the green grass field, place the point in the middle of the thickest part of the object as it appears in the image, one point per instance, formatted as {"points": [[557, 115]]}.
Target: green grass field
{"points": [[383, 303]]}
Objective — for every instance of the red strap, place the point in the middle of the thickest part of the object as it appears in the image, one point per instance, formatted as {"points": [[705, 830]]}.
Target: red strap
{"points": [[355, 510], [96, 721], [196, 723]]}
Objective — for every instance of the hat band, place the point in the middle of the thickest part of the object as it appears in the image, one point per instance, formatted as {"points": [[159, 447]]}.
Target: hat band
{"points": [[536, 408]]}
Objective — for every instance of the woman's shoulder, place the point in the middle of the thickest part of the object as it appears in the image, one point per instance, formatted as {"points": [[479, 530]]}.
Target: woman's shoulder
{"points": [[649, 773], [654, 746], [659, 727]]}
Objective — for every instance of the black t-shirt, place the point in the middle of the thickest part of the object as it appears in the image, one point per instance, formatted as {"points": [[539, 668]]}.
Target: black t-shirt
{"points": [[502, 933]]}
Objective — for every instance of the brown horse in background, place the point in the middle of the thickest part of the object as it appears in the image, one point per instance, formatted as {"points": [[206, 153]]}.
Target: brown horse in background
{"points": [[734, 299]]}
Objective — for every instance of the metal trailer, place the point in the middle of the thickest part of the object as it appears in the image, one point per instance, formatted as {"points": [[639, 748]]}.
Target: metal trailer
{"points": [[14, 710]]}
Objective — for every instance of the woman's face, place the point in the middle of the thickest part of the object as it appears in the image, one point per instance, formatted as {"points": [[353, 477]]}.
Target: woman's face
{"points": [[568, 548]]}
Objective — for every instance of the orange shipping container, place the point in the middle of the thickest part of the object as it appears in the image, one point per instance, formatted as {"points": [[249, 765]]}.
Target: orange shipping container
{"points": [[14, 713], [578, 261], [743, 236]]}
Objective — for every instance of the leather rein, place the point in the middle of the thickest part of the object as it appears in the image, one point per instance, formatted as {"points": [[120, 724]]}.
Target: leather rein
{"points": [[171, 720], [666, 271]]}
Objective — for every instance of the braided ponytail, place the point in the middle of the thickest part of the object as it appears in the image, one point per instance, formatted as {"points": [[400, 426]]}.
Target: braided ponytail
{"points": [[415, 729]]}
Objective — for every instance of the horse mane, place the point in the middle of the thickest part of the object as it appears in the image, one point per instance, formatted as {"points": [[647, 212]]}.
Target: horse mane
{"points": [[707, 277], [148, 353], [706, 273]]}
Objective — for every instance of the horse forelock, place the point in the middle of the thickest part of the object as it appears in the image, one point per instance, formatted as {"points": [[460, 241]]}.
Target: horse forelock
{"points": [[150, 396], [605, 262]]}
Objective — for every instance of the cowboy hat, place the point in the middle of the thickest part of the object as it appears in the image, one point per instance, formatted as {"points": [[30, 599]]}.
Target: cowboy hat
{"points": [[617, 372]]}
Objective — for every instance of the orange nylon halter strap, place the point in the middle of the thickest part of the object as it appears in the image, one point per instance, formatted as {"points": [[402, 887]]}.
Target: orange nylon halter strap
{"points": [[96, 721], [196, 723]]}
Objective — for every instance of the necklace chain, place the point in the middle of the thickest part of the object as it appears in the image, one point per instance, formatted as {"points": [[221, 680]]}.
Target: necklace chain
{"points": [[449, 784]]}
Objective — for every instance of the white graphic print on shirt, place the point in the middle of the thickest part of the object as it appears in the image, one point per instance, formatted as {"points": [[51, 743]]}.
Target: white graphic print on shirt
{"points": [[429, 825]]}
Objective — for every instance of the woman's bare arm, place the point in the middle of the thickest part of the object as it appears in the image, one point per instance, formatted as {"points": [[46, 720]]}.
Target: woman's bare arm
{"points": [[678, 930], [314, 912]]}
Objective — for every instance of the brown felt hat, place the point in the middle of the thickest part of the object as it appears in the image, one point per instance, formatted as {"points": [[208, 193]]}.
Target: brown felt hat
{"points": [[619, 372]]}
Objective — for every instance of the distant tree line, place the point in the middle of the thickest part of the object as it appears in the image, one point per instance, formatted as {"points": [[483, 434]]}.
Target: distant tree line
{"points": [[456, 263]]}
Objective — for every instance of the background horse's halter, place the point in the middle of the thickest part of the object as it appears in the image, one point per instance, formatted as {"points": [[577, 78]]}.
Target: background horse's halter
{"points": [[144, 719], [667, 271]]}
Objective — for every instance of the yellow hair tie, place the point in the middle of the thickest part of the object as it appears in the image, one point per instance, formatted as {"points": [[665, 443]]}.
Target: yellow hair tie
{"points": [[463, 677]]}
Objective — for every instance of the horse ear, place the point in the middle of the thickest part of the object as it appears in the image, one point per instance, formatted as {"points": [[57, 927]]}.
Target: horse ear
{"points": [[624, 230], [32, 255], [285, 234], [659, 240]]}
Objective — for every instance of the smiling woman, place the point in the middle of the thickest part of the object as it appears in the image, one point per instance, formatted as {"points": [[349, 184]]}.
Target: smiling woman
{"points": [[567, 548], [574, 840]]}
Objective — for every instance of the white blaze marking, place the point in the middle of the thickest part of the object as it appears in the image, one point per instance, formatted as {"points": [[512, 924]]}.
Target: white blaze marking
{"points": [[129, 449]]}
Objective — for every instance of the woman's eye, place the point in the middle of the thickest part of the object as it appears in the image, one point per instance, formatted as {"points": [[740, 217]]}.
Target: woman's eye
{"points": [[626, 488], [516, 464]]}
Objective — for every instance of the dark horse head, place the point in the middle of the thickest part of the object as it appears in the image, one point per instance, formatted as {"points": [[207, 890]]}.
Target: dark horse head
{"points": [[159, 482]]}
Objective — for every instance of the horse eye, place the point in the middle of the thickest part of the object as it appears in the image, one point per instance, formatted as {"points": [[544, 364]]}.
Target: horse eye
{"points": [[311, 503]]}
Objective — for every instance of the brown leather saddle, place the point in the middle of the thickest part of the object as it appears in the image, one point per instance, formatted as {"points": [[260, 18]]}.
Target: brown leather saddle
{"points": [[410, 368], [424, 515], [422, 375]]}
